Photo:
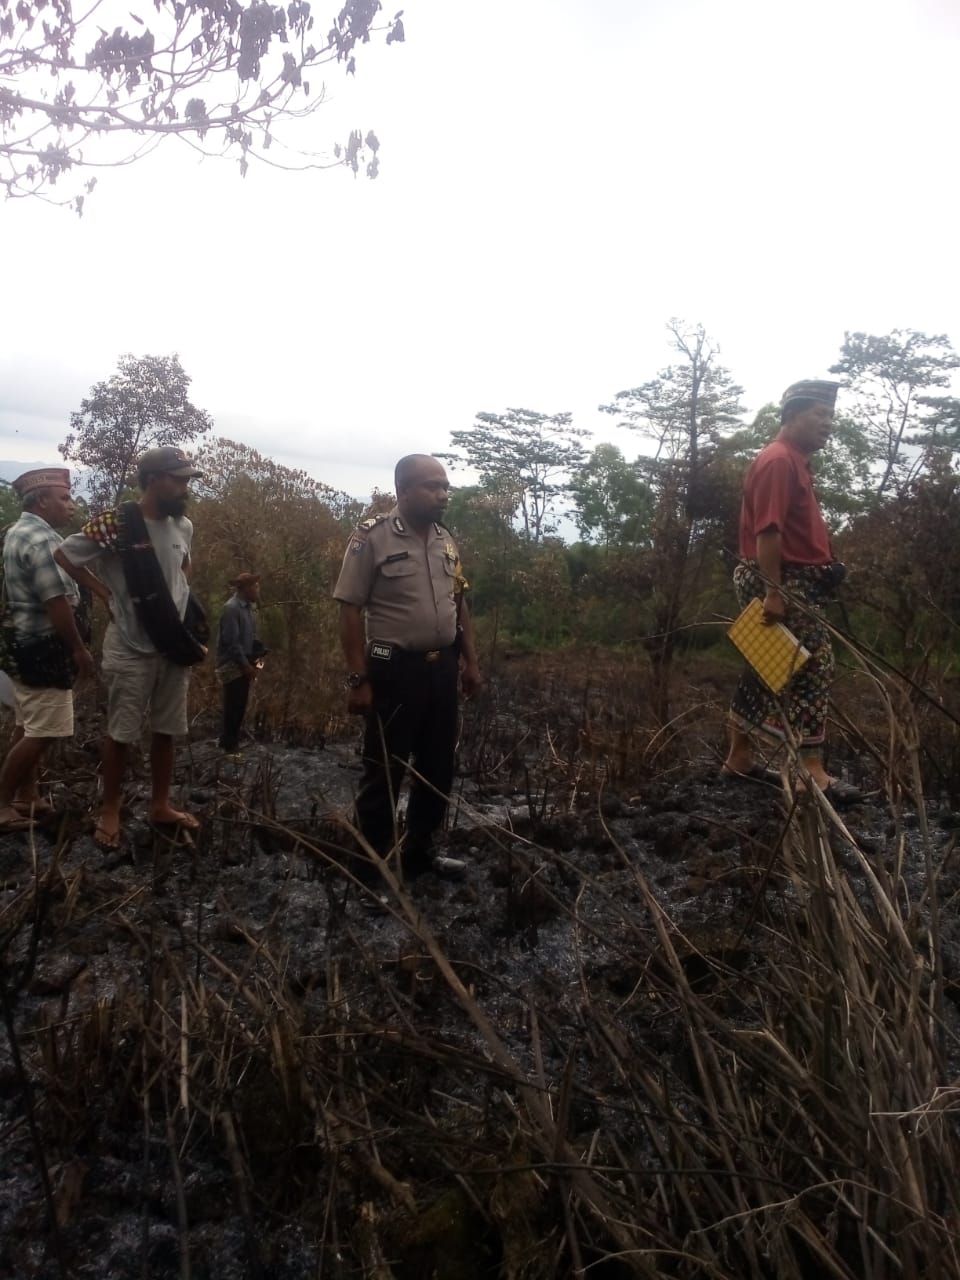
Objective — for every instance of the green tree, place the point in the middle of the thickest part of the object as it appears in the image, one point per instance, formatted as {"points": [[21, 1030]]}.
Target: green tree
{"points": [[524, 457], [9, 504], [75, 96], [491, 549], [687, 406], [614, 503], [894, 380], [684, 413], [145, 403], [905, 557]]}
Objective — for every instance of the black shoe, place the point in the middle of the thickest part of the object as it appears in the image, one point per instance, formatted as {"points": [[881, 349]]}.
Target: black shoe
{"points": [[375, 904], [448, 868], [419, 859]]}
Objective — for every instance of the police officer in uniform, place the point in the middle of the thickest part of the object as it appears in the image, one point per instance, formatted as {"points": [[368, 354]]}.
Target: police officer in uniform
{"points": [[406, 635]]}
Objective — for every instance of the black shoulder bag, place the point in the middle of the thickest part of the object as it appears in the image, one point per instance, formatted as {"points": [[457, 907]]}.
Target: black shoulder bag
{"points": [[182, 640]]}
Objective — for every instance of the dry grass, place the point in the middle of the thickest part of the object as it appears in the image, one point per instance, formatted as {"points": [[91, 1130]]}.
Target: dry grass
{"points": [[787, 1115]]}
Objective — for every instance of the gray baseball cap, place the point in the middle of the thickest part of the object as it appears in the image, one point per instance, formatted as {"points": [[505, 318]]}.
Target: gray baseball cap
{"points": [[167, 460]]}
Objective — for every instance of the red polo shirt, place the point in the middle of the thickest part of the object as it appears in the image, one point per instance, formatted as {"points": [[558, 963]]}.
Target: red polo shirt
{"points": [[778, 494]]}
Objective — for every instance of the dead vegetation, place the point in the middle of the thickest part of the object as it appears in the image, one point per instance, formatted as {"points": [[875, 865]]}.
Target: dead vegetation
{"points": [[560, 1067]]}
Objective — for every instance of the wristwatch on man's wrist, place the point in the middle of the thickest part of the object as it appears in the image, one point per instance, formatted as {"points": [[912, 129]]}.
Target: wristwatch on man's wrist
{"points": [[355, 679]]}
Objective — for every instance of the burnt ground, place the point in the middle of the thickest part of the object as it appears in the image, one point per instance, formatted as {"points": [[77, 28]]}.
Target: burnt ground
{"points": [[237, 1069]]}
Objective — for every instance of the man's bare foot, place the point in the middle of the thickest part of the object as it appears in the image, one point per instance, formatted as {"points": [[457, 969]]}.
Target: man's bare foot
{"points": [[11, 820], [738, 764], [167, 817], [33, 804], [820, 777], [106, 834]]}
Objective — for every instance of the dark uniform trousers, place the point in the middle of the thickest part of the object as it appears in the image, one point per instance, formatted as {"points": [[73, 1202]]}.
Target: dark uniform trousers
{"points": [[236, 694], [414, 715]]}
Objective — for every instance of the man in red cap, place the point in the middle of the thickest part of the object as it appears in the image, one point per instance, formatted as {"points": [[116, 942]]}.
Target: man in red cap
{"points": [[45, 650], [142, 680], [239, 656]]}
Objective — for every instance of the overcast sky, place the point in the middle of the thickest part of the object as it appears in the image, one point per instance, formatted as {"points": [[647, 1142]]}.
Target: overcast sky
{"points": [[558, 178]]}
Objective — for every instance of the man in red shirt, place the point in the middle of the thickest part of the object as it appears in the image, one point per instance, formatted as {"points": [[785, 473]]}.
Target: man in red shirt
{"points": [[787, 562]]}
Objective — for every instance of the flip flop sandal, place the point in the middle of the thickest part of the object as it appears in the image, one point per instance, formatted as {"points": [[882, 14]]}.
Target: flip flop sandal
{"points": [[108, 841]]}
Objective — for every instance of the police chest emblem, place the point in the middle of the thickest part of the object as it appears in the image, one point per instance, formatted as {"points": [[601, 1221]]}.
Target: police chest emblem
{"points": [[382, 651], [356, 546]]}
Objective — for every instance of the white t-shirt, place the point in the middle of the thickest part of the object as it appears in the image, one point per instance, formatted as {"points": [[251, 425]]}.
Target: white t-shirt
{"points": [[95, 548]]}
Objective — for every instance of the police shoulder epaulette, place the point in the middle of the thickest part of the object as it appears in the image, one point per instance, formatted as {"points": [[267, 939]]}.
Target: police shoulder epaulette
{"points": [[366, 525]]}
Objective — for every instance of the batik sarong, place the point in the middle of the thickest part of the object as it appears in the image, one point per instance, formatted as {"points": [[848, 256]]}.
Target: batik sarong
{"points": [[803, 701]]}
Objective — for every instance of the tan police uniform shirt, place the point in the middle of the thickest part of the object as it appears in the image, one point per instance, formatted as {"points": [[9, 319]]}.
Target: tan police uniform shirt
{"points": [[406, 589]]}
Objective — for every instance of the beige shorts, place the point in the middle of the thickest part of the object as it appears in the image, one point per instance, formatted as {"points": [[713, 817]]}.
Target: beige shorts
{"points": [[44, 713], [140, 686]]}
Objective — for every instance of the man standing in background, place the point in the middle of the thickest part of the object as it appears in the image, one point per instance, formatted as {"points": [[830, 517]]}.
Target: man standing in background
{"points": [[46, 649], [239, 656]]}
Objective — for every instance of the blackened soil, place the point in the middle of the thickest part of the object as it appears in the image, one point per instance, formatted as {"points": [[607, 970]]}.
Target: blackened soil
{"points": [[234, 1064]]}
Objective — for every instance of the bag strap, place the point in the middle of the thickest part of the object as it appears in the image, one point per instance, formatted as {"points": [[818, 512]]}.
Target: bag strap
{"points": [[149, 592]]}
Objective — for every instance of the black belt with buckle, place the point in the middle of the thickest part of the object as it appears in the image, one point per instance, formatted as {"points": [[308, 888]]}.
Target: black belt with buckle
{"points": [[427, 655], [392, 653]]}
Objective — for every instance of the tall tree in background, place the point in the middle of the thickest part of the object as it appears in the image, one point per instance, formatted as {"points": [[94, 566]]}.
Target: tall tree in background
{"points": [[144, 404], [10, 504], [687, 406], [78, 91], [906, 552], [254, 513], [231, 469], [614, 502], [683, 412], [894, 380], [524, 457], [492, 550]]}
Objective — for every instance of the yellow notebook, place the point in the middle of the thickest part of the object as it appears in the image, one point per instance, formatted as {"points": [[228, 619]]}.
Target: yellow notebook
{"points": [[774, 652]]}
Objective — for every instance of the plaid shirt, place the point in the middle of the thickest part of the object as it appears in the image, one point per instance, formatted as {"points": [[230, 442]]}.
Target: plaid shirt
{"points": [[32, 577]]}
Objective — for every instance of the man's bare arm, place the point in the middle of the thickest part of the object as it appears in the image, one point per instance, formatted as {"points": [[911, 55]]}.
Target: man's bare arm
{"points": [[770, 560], [83, 577], [354, 645]]}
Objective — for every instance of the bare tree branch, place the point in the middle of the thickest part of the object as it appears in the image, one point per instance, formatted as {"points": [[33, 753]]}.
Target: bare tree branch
{"points": [[71, 91]]}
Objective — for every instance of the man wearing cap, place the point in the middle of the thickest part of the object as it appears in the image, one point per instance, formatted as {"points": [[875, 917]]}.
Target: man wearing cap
{"points": [[140, 680], [47, 650], [405, 631], [239, 656], [787, 562]]}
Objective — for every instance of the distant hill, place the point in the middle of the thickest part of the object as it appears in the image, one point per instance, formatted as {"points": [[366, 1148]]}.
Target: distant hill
{"points": [[10, 470]]}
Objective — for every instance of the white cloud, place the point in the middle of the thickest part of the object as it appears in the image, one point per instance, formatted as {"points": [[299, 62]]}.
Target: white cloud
{"points": [[557, 180]]}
